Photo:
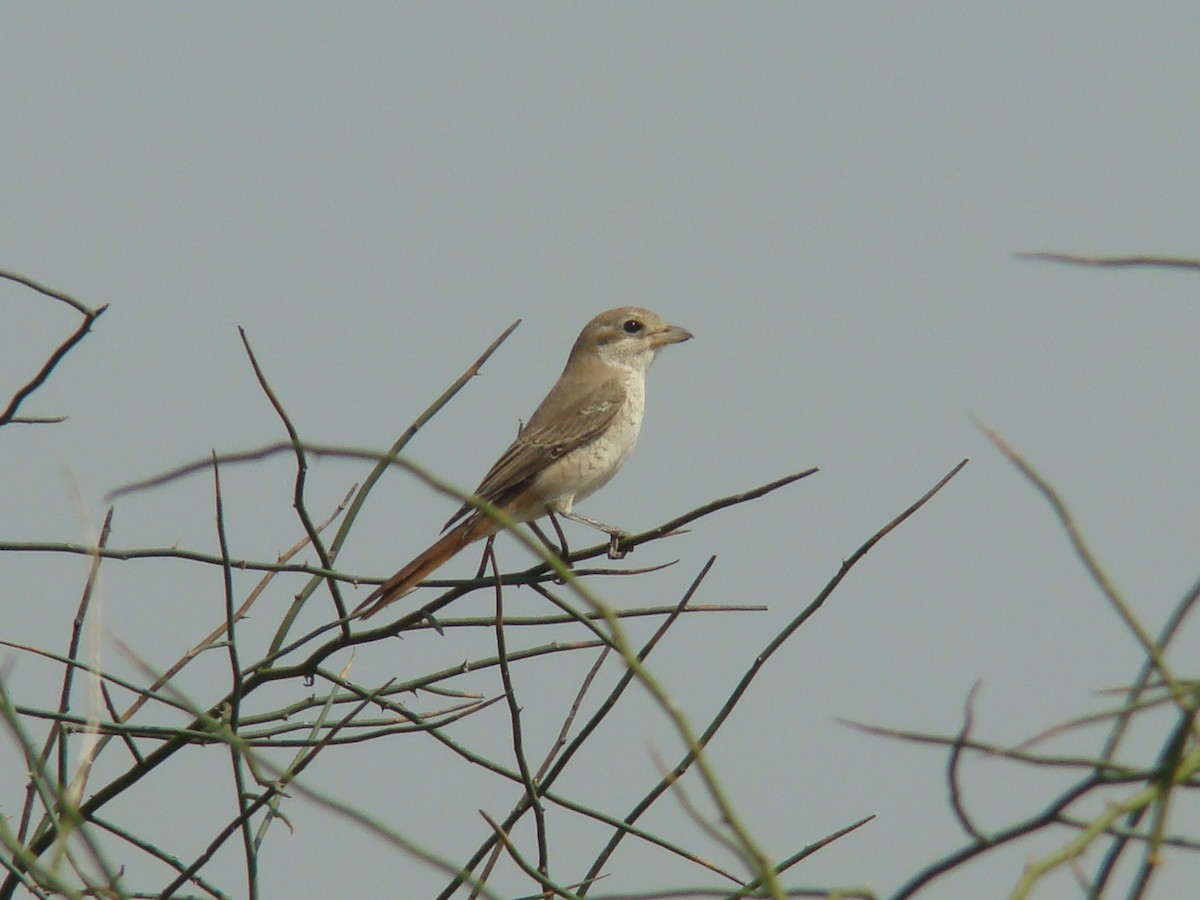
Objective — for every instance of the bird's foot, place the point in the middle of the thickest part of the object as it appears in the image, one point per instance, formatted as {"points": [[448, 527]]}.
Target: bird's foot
{"points": [[615, 535], [615, 550]]}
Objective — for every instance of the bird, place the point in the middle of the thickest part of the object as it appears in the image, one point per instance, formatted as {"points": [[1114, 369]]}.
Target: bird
{"points": [[574, 443]]}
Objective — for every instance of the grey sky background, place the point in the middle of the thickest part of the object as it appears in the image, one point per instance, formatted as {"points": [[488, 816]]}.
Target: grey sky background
{"points": [[828, 195]]}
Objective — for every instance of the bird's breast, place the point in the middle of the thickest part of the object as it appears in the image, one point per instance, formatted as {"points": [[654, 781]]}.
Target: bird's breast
{"points": [[588, 468]]}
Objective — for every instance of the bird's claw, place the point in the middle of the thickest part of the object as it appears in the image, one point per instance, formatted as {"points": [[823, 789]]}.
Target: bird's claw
{"points": [[614, 544]]}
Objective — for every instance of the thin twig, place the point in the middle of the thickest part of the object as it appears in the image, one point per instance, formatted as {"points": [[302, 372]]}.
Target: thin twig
{"points": [[1186, 605], [298, 501], [55, 734], [952, 765], [1159, 262], [561, 740], [1152, 651], [511, 621], [1112, 771], [381, 466], [1120, 727], [954, 860], [177, 553], [802, 854], [809, 849], [514, 718], [89, 317], [672, 526], [235, 694], [693, 812], [537, 875], [151, 849], [111, 706]]}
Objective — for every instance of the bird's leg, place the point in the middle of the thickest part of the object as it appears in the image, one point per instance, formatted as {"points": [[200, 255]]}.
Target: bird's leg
{"points": [[483, 560], [615, 535], [562, 538], [561, 550]]}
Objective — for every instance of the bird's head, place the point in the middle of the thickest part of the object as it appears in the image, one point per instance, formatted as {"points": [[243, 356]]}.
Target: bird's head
{"points": [[628, 338]]}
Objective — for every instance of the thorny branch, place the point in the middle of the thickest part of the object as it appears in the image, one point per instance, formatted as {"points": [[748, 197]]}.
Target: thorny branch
{"points": [[9, 414], [228, 719], [239, 720]]}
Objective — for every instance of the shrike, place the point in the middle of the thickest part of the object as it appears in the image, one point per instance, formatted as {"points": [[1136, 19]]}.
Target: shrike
{"points": [[573, 444]]}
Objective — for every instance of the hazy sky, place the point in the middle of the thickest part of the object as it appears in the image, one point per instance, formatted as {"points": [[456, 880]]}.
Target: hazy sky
{"points": [[829, 195]]}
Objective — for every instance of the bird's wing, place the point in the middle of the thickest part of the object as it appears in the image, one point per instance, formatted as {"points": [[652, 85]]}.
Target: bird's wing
{"points": [[565, 420]]}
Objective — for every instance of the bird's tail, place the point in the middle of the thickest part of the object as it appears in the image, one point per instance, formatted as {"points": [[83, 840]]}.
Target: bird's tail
{"points": [[424, 565]]}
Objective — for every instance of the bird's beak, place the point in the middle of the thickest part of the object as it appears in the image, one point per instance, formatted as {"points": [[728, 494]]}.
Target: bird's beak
{"points": [[670, 334]]}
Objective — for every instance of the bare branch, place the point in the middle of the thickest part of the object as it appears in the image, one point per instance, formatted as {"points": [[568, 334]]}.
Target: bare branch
{"points": [[743, 685], [1159, 262], [952, 765], [9, 414]]}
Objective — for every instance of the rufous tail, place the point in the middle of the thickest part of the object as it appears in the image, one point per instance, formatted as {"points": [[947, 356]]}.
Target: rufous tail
{"points": [[422, 567]]}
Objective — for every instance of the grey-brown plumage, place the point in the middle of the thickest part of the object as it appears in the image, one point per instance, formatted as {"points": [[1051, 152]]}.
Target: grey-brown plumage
{"points": [[574, 443]]}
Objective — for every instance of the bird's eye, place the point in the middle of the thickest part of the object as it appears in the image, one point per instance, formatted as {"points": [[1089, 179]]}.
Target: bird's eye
{"points": [[633, 326]]}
